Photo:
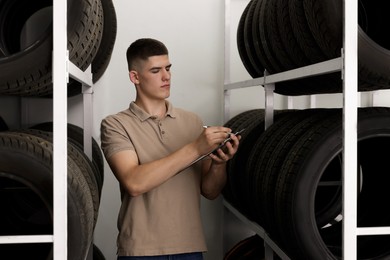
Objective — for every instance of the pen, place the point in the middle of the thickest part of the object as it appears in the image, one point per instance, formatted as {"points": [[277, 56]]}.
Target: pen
{"points": [[219, 146]]}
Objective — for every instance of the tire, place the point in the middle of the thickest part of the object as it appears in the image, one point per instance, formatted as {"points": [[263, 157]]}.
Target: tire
{"points": [[290, 43], [274, 65], [76, 137], [26, 63], [241, 45], [293, 181], [307, 164], [103, 55], [249, 39], [265, 159], [325, 22], [84, 164], [253, 122], [273, 35], [302, 32], [248, 248], [310, 31], [26, 161], [97, 253], [260, 53], [3, 125]]}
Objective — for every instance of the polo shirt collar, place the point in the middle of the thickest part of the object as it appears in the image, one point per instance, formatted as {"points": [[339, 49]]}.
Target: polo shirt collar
{"points": [[143, 115]]}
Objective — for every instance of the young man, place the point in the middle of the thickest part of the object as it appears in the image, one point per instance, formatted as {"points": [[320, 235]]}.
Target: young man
{"points": [[149, 147]]}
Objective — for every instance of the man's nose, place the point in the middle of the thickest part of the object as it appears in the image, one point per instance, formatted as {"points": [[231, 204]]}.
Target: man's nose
{"points": [[166, 75]]}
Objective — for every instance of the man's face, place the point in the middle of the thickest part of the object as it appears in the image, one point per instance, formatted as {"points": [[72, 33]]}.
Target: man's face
{"points": [[153, 77]]}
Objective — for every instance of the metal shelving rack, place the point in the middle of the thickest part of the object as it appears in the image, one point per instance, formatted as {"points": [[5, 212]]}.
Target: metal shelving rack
{"points": [[61, 70], [347, 64]]}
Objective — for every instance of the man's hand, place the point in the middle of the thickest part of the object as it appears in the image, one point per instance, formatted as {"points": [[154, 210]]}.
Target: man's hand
{"points": [[226, 152], [211, 138], [214, 136]]}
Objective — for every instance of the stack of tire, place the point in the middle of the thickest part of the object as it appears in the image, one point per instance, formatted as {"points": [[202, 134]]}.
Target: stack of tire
{"points": [[26, 187], [280, 35], [288, 179], [26, 43], [26, 166]]}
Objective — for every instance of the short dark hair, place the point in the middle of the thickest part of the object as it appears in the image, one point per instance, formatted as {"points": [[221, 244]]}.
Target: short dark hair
{"points": [[144, 48]]}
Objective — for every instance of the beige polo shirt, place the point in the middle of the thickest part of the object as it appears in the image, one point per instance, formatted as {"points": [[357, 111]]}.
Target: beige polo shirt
{"points": [[165, 220]]}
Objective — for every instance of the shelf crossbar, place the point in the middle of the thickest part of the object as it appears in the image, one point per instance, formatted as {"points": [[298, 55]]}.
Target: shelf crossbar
{"points": [[367, 231], [320, 68], [26, 239]]}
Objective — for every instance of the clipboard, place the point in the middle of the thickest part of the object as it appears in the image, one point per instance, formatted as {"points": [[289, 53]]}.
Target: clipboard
{"points": [[213, 151]]}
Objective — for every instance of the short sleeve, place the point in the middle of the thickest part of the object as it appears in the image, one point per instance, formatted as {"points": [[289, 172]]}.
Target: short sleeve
{"points": [[114, 137]]}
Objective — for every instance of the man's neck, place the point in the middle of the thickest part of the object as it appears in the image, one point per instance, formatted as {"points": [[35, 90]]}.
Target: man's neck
{"points": [[156, 108]]}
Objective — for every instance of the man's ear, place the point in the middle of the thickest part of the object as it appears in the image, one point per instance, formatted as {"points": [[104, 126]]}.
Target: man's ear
{"points": [[133, 76]]}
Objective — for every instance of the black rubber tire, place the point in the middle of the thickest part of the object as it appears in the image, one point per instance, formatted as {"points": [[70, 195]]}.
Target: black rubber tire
{"points": [[249, 39], [248, 248], [264, 160], [76, 136], [76, 153], [274, 65], [286, 62], [302, 32], [27, 159], [260, 53], [293, 178], [253, 123], [325, 22], [241, 45], [302, 170], [288, 39], [244, 182], [26, 70], [97, 253], [20, 71], [277, 143], [3, 125], [103, 55], [310, 31], [301, 43]]}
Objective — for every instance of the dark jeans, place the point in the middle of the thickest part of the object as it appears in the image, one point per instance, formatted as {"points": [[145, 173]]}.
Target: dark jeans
{"points": [[187, 256]]}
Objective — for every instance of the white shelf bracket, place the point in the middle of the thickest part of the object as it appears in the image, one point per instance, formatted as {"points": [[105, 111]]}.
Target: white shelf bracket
{"points": [[269, 102]]}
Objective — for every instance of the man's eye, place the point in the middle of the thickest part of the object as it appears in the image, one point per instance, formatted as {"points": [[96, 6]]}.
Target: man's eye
{"points": [[168, 68], [155, 71]]}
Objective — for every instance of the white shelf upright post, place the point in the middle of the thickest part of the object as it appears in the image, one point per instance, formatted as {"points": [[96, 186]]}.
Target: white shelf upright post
{"points": [[350, 98], [60, 79]]}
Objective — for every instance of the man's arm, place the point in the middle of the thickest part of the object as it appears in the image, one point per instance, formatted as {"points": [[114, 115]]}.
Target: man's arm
{"points": [[140, 178]]}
